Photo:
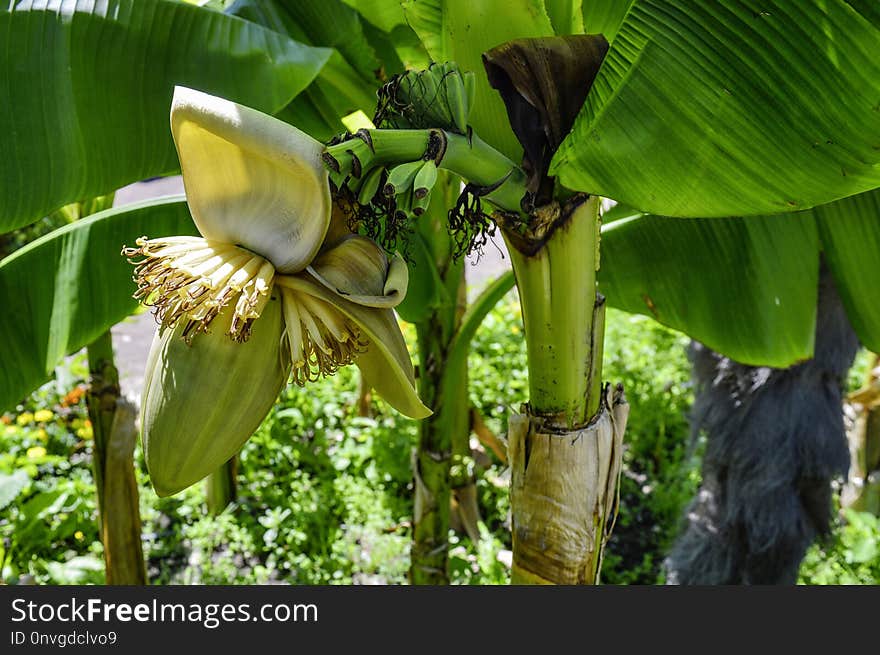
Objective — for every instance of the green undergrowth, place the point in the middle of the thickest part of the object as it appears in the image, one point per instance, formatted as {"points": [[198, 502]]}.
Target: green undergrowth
{"points": [[850, 556], [325, 496]]}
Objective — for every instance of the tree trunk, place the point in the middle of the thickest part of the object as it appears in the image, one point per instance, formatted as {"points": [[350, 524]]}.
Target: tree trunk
{"points": [[115, 435], [464, 505], [775, 441], [447, 396], [221, 486], [564, 493], [862, 490], [433, 460], [566, 444]]}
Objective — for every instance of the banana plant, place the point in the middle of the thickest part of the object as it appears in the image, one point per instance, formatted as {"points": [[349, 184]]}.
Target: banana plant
{"points": [[692, 111], [652, 133]]}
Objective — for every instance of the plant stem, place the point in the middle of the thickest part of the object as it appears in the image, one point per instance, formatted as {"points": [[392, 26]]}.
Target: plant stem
{"points": [[441, 434], [557, 288], [433, 459], [113, 426], [474, 160], [566, 445]]}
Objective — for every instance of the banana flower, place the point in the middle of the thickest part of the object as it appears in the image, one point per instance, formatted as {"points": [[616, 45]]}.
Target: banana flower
{"points": [[275, 288]]}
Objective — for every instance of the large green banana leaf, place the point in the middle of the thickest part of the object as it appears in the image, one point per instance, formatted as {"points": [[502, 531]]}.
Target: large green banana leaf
{"points": [[62, 291], [747, 287], [604, 16], [566, 16], [850, 235], [732, 108], [387, 29], [384, 14], [85, 89], [348, 80], [365, 56]]}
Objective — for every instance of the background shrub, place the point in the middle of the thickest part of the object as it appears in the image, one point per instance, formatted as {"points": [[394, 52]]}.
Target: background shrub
{"points": [[325, 496]]}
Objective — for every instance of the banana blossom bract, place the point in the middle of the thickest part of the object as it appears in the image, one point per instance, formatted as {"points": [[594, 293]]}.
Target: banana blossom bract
{"points": [[275, 288]]}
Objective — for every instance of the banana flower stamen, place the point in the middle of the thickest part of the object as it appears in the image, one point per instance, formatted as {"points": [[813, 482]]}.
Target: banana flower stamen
{"points": [[194, 279], [320, 339]]}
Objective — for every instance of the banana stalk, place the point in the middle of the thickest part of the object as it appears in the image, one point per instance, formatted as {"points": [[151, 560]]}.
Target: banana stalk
{"points": [[467, 156], [566, 443], [444, 390]]}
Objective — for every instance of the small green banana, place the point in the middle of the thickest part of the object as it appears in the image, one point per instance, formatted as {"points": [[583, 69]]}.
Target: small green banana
{"points": [[425, 179], [404, 201], [400, 178], [370, 185], [420, 204], [455, 96]]}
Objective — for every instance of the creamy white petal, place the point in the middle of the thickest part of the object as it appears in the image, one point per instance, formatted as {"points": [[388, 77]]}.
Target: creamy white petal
{"points": [[358, 269], [251, 179], [340, 216]]}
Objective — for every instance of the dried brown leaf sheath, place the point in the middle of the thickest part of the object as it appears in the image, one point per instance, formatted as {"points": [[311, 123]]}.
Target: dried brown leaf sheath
{"points": [[544, 82]]}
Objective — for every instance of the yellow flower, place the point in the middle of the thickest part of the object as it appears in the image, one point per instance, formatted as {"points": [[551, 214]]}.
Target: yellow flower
{"points": [[78, 535], [36, 452], [42, 435], [85, 432], [43, 415], [24, 418], [292, 292]]}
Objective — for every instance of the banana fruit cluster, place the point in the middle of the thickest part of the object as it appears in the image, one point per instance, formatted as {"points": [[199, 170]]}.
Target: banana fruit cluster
{"points": [[439, 97]]}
